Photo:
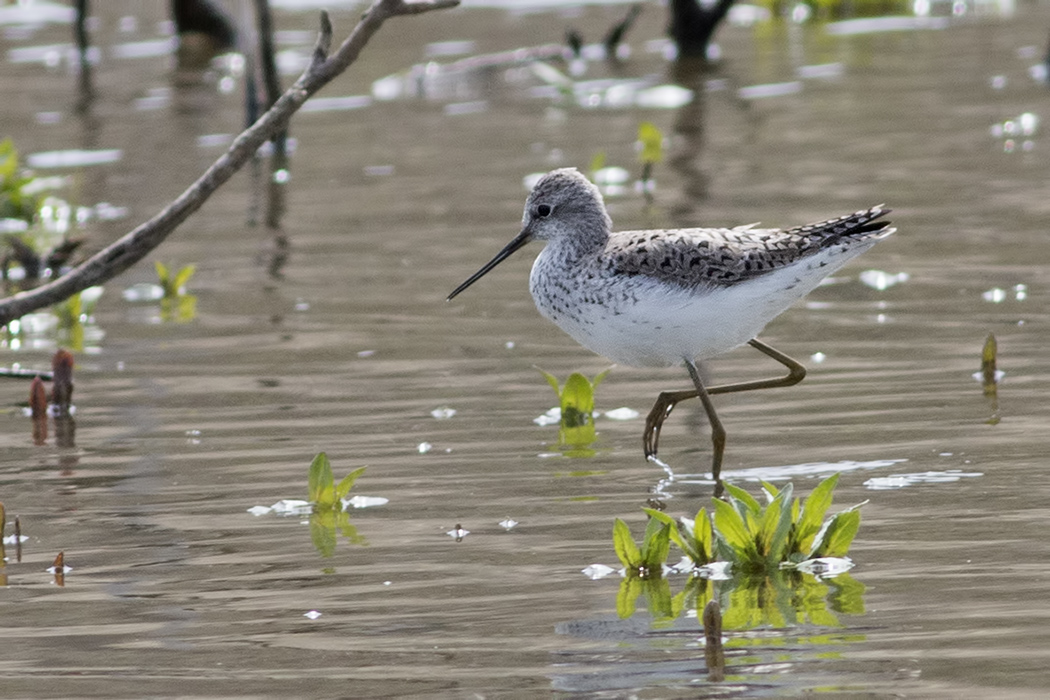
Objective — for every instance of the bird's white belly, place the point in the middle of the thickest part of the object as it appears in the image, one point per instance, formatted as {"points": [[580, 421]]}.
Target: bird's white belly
{"points": [[646, 322]]}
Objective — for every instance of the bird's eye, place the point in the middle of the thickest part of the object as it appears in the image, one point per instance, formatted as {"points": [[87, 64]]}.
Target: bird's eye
{"points": [[543, 210]]}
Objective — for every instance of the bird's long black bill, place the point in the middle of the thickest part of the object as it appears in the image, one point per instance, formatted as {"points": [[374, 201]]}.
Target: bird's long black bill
{"points": [[519, 240]]}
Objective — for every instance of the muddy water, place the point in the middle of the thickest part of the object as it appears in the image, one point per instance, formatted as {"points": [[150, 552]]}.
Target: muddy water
{"points": [[348, 347]]}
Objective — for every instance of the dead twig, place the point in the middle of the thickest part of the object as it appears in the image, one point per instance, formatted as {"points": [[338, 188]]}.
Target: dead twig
{"points": [[134, 246]]}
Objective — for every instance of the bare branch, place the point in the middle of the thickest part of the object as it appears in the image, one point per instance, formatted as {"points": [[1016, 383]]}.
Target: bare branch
{"points": [[134, 246], [324, 41]]}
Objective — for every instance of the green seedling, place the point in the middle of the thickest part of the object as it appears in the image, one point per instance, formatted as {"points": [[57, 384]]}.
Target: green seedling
{"points": [[693, 537], [758, 539], [576, 402], [644, 568], [651, 142], [651, 149], [324, 492], [328, 516], [173, 285], [14, 202], [648, 560], [176, 304]]}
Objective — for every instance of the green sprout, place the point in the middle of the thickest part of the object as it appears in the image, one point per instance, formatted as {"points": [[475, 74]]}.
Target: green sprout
{"points": [[576, 402], [651, 151], [176, 304], [784, 532], [770, 550], [14, 202], [644, 568], [646, 561], [173, 285], [324, 492], [693, 537], [328, 514]]}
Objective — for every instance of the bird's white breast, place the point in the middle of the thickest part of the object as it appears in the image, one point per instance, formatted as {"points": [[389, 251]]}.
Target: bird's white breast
{"points": [[643, 321]]}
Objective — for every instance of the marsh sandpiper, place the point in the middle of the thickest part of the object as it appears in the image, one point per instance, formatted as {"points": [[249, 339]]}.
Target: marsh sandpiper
{"points": [[679, 296]]}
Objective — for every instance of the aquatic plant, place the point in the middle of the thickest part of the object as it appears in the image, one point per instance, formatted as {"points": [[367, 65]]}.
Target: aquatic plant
{"points": [[644, 569], [176, 304], [174, 285], [327, 516], [576, 403], [756, 539], [324, 492], [694, 537], [646, 561], [15, 202], [650, 149]]}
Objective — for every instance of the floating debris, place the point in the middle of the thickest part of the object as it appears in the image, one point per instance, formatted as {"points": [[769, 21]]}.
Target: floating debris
{"points": [[424, 447], [597, 571], [551, 417], [365, 501], [458, 533], [508, 524], [313, 614], [622, 413], [443, 413]]}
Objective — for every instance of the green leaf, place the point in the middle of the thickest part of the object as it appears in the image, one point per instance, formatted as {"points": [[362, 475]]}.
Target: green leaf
{"points": [[656, 544], [674, 533], [553, 381], [776, 530], [626, 549], [770, 489], [703, 537], [742, 497], [347, 483], [652, 141], [731, 527], [839, 534], [8, 160], [809, 522], [578, 394], [321, 482], [162, 274], [183, 277]]}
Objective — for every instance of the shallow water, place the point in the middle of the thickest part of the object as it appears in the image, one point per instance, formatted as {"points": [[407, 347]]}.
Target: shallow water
{"points": [[176, 589]]}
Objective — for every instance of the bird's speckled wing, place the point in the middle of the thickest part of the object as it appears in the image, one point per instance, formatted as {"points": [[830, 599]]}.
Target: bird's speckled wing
{"points": [[722, 256]]}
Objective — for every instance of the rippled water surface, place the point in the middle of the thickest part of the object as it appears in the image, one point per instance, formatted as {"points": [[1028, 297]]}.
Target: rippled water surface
{"points": [[347, 346]]}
